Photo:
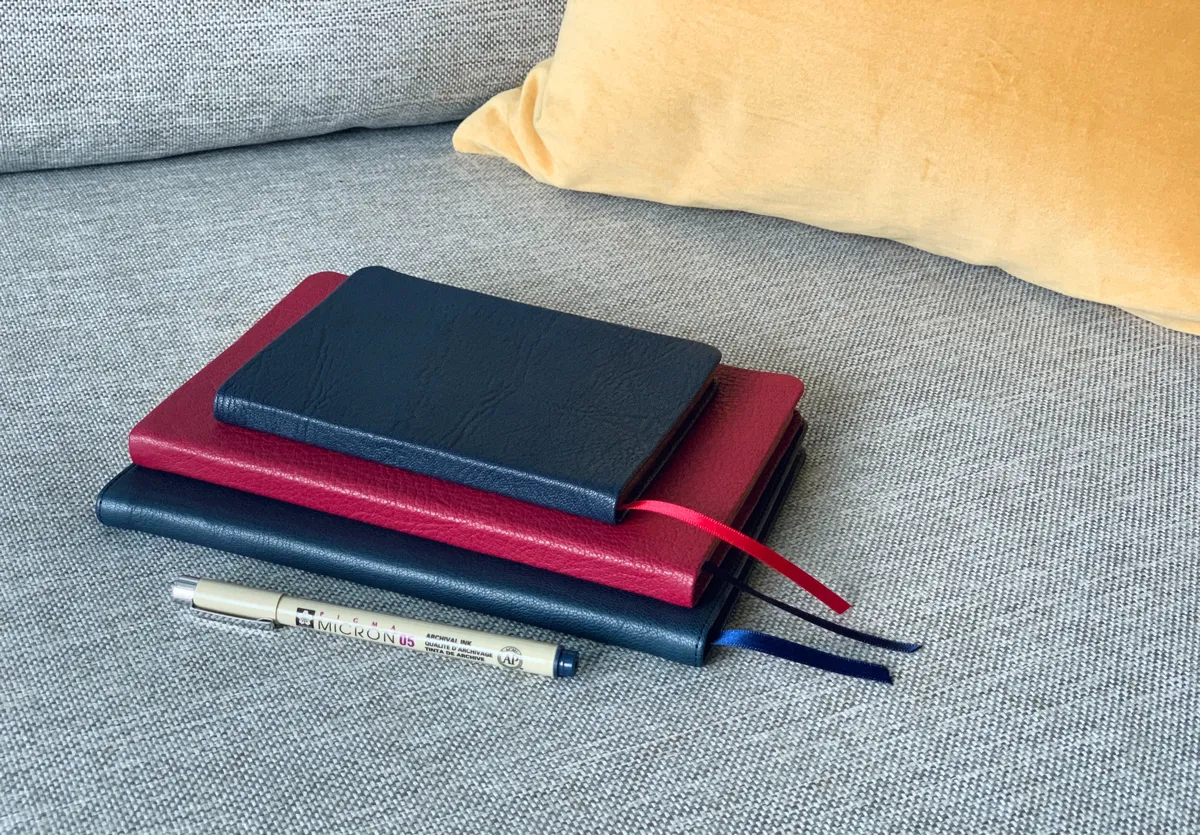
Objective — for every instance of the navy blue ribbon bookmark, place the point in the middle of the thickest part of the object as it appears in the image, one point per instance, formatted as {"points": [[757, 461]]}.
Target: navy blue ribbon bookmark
{"points": [[791, 651], [845, 631]]}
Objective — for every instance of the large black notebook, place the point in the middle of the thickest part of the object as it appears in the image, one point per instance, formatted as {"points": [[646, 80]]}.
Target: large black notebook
{"points": [[230, 520], [542, 406]]}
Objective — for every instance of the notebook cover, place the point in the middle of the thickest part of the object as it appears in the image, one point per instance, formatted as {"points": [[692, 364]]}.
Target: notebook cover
{"points": [[219, 517], [712, 470], [545, 407]]}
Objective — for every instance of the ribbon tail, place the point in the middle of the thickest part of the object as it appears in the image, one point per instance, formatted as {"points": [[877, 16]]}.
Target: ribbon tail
{"points": [[845, 631], [800, 654], [752, 547]]}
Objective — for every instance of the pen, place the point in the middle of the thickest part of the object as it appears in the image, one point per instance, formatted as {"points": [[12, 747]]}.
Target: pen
{"points": [[267, 609]]}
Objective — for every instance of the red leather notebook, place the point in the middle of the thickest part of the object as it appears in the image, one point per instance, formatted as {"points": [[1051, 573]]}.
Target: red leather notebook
{"points": [[712, 471]]}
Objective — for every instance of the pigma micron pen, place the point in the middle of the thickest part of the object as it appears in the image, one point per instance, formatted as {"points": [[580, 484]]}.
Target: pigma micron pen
{"points": [[268, 609]]}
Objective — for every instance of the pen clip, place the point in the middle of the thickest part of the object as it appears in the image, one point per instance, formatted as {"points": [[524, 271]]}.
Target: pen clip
{"points": [[256, 624]]}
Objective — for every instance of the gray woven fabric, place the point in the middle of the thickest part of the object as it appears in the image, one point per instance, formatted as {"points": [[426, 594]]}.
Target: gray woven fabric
{"points": [[1004, 473], [92, 81]]}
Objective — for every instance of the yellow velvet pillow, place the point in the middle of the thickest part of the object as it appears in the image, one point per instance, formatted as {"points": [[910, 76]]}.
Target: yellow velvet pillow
{"points": [[1059, 141]]}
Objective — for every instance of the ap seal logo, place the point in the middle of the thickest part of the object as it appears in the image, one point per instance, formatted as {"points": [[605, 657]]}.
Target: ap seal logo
{"points": [[304, 617], [509, 657]]}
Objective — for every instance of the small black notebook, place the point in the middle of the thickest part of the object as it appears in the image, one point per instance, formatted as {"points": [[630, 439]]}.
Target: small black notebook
{"points": [[546, 407]]}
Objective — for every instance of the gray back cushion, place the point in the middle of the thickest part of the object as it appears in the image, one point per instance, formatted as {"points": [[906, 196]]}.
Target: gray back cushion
{"points": [[91, 81]]}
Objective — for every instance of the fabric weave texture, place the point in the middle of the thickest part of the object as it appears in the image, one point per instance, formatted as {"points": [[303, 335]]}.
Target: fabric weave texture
{"points": [[90, 81], [1003, 473]]}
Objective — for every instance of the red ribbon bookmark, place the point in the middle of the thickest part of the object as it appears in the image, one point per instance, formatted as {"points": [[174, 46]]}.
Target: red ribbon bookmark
{"points": [[752, 547]]}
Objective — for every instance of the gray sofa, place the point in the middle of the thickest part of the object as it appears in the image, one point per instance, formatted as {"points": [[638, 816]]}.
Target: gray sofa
{"points": [[1008, 475]]}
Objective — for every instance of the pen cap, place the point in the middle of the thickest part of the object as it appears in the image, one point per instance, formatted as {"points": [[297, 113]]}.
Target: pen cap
{"points": [[230, 599], [566, 662]]}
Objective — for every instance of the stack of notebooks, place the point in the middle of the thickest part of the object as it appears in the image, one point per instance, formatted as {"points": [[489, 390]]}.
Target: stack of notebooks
{"points": [[572, 474]]}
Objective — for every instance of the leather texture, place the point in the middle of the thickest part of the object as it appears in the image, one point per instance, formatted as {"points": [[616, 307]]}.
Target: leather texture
{"points": [[712, 470], [550, 408], [219, 517]]}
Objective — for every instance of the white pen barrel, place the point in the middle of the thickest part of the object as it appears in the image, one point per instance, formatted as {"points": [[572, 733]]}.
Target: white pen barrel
{"points": [[481, 647]]}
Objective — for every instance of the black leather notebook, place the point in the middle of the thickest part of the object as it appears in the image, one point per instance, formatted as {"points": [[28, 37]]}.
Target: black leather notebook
{"points": [[194, 511], [546, 407]]}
